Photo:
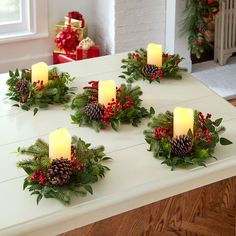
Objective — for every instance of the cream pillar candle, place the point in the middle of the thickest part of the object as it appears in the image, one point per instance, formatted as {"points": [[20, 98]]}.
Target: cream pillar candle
{"points": [[106, 91], [39, 72], [60, 144], [154, 54], [183, 121]]}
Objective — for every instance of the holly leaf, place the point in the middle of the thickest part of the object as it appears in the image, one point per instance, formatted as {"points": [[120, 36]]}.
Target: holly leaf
{"points": [[40, 196], [26, 183], [152, 111], [115, 124], [224, 141], [218, 121], [35, 110], [88, 188]]}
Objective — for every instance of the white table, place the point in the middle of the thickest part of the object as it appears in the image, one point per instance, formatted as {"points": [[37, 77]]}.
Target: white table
{"points": [[136, 178]]}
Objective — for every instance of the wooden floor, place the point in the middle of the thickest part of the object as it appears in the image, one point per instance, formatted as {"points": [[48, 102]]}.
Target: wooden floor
{"points": [[233, 101], [207, 211]]}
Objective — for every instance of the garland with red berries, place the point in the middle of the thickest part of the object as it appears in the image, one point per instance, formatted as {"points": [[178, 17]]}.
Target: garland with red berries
{"points": [[38, 95], [184, 150], [125, 109], [135, 67], [60, 178], [198, 15]]}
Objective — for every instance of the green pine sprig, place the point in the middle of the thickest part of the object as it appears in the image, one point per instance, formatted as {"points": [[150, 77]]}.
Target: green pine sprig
{"points": [[202, 148], [132, 115], [55, 92], [133, 66], [80, 182]]}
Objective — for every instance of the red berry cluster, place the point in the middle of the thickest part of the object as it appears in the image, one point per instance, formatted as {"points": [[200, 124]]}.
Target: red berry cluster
{"points": [[206, 134], [39, 176], [128, 103], [38, 85], [135, 56], [24, 99], [111, 110], [74, 163], [202, 119], [52, 77], [159, 74], [165, 55], [94, 85], [161, 133]]}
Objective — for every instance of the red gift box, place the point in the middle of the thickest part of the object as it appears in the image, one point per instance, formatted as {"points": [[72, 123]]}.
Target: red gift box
{"points": [[81, 54], [59, 58]]}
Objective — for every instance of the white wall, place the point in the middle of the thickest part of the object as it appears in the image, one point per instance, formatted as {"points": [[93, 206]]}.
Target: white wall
{"points": [[116, 25], [139, 22], [104, 25], [25, 53]]}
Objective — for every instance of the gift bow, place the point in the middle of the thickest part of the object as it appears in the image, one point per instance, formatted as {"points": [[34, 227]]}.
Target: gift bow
{"points": [[86, 43]]}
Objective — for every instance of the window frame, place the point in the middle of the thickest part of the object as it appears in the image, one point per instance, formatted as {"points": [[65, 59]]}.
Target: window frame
{"points": [[37, 27]]}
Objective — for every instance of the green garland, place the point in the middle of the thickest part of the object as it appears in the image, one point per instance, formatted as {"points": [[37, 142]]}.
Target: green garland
{"points": [[195, 23], [26, 94], [134, 64], [126, 109], [87, 169], [206, 136]]}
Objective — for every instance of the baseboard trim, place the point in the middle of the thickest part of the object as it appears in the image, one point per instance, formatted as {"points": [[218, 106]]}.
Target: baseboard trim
{"points": [[24, 62]]}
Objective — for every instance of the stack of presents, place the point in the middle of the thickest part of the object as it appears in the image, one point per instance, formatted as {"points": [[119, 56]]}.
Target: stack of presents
{"points": [[71, 41]]}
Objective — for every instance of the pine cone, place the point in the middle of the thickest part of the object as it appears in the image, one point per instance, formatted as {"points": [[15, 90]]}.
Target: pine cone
{"points": [[181, 145], [94, 111], [149, 70], [60, 171], [22, 87]]}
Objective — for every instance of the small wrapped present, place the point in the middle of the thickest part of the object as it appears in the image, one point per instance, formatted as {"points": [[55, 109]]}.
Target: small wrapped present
{"points": [[81, 32], [59, 58], [73, 22], [75, 19], [67, 40], [87, 49]]}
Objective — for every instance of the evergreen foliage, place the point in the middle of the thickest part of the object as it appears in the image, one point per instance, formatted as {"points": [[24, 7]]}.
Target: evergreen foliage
{"points": [[87, 163], [205, 137], [126, 109], [37, 94], [134, 67]]}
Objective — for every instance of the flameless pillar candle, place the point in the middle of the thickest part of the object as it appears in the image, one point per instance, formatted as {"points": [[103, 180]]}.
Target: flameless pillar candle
{"points": [[154, 54], [106, 91], [39, 72], [183, 121], [60, 144]]}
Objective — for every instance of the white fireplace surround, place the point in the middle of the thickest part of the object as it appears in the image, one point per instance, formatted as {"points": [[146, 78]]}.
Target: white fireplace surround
{"points": [[117, 25]]}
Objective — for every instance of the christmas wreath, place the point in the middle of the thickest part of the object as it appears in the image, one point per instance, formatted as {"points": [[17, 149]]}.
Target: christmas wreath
{"points": [[37, 94], [135, 67], [184, 150], [59, 178], [198, 16], [126, 108]]}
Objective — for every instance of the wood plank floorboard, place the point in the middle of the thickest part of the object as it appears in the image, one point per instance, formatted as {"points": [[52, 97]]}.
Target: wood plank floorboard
{"points": [[233, 102], [206, 211]]}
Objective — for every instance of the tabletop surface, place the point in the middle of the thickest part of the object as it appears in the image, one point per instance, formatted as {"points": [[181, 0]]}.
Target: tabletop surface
{"points": [[135, 179]]}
